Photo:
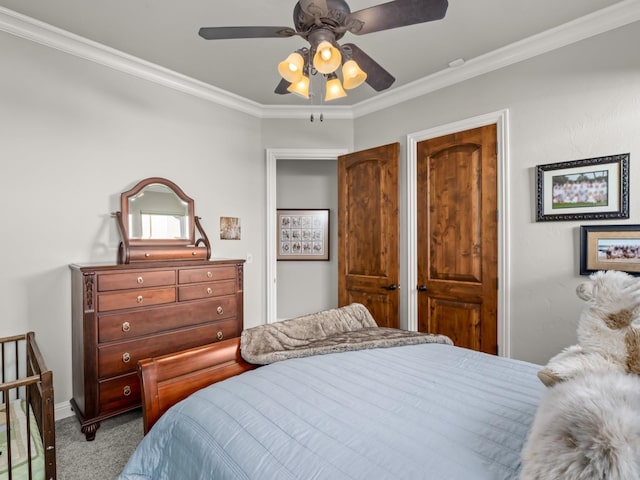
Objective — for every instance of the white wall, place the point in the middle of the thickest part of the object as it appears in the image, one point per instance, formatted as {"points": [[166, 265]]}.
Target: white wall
{"points": [[73, 136], [577, 102], [304, 134], [308, 286]]}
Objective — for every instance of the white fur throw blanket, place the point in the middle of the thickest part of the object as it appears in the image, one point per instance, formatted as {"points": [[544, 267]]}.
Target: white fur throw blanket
{"points": [[338, 330], [586, 428]]}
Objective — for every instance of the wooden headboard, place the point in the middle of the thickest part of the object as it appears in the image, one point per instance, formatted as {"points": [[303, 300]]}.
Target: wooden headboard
{"points": [[167, 379]]}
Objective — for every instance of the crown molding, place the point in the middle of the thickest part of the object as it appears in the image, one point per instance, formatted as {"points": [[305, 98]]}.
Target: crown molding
{"points": [[56, 38], [615, 16], [328, 112]]}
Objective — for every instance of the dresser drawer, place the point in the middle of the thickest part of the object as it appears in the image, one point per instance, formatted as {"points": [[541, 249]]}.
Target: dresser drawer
{"points": [[195, 275], [147, 253], [117, 326], [123, 357], [134, 299], [118, 393], [206, 290], [125, 281]]}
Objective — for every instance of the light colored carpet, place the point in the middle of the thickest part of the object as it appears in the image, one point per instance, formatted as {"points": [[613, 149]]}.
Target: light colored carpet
{"points": [[105, 457]]}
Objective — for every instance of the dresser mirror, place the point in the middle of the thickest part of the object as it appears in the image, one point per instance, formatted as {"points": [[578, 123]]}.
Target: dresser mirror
{"points": [[157, 222]]}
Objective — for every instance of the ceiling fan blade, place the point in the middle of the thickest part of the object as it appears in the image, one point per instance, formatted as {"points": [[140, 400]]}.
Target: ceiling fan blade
{"points": [[223, 33], [281, 89], [398, 13], [377, 77], [315, 8]]}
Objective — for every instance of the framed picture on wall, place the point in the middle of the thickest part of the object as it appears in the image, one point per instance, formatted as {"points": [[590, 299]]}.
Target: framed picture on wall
{"points": [[610, 247], [303, 234], [589, 189]]}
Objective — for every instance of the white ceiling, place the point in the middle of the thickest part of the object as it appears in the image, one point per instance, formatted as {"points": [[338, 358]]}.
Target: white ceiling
{"points": [[165, 32]]}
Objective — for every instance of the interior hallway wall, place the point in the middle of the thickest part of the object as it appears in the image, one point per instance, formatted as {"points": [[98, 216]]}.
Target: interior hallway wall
{"points": [[306, 286]]}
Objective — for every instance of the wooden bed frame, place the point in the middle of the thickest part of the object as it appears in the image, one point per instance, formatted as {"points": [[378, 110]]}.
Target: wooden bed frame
{"points": [[167, 379], [36, 388]]}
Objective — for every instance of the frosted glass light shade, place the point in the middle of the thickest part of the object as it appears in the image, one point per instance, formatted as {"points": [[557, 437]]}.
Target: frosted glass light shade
{"points": [[327, 58], [334, 89], [301, 87], [352, 75], [291, 68]]}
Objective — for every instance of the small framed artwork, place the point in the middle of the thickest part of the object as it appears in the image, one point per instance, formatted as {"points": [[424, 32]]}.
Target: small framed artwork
{"points": [[610, 247], [230, 228], [589, 189], [303, 234]]}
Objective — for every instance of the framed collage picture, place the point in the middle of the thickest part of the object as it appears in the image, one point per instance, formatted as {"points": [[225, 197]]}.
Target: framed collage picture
{"points": [[303, 234]]}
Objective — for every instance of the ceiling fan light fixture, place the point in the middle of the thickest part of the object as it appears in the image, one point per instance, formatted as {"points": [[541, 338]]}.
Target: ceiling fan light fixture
{"points": [[291, 69], [322, 24], [333, 88], [301, 87], [327, 58], [352, 75]]}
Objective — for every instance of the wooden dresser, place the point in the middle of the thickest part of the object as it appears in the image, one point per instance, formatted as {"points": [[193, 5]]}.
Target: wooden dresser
{"points": [[128, 312]]}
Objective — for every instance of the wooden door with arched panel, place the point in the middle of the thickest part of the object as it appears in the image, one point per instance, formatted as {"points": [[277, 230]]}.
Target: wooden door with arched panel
{"points": [[458, 237], [368, 230]]}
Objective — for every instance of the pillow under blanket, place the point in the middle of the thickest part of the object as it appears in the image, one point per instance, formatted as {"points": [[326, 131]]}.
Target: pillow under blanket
{"points": [[338, 330]]}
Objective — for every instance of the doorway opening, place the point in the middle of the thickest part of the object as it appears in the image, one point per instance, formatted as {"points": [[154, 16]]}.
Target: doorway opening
{"points": [[272, 156]]}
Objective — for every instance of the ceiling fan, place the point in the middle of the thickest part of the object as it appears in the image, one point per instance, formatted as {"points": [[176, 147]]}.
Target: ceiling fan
{"points": [[322, 23]]}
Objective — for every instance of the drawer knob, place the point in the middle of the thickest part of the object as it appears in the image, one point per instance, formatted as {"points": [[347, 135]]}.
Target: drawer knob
{"points": [[194, 253], [220, 310], [126, 357], [209, 291], [126, 327], [140, 280], [220, 335], [209, 274], [126, 390], [147, 254], [139, 298]]}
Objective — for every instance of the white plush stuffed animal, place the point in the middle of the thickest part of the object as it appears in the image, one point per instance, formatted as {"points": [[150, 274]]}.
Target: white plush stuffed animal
{"points": [[587, 428], [608, 329]]}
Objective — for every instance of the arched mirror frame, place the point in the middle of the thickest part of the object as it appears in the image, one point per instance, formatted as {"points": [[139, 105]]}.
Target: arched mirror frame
{"points": [[133, 249]]}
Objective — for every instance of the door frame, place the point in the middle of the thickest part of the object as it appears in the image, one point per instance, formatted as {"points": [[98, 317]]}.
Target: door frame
{"points": [[501, 119], [272, 156]]}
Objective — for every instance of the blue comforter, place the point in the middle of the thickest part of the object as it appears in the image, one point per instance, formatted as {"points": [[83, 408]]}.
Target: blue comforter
{"points": [[426, 411]]}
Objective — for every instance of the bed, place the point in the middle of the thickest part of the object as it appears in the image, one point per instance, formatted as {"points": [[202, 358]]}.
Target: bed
{"points": [[27, 425], [429, 410]]}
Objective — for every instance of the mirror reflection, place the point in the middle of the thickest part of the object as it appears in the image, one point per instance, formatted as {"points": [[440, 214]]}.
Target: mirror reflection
{"points": [[157, 213]]}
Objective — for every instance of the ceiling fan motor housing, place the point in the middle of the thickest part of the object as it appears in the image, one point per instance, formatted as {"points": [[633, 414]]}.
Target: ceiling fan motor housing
{"points": [[317, 18]]}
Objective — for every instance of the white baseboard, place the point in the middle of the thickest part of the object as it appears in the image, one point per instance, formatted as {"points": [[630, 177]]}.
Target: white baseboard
{"points": [[62, 410]]}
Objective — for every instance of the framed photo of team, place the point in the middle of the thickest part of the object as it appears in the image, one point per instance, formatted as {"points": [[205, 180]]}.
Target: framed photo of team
{"points": [[303, 234], [610, 247], [589, 189]]}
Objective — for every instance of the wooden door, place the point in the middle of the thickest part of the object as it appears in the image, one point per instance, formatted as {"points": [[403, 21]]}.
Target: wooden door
{"points": [[368, 267], [458, 237]]}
